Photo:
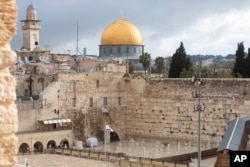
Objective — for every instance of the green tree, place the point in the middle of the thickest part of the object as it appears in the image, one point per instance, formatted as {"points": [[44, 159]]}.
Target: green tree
{"points": [[186, 74], [145, 61], [247, 65], [239, 65], [160, 64], [179, 62]]}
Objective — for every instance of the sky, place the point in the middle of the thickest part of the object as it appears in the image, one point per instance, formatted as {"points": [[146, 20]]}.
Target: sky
{"points": [[206, 27]]}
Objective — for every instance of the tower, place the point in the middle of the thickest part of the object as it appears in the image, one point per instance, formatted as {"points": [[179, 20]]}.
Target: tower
{"points": [[31, 29]]}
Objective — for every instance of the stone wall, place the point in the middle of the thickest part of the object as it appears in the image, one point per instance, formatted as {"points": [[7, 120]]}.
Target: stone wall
{"points": [[164, 109], [139, 107], [38, 83], [44, 138], [8, 114], [89, 118]]}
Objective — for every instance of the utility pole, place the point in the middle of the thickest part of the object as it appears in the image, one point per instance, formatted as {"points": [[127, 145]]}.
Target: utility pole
{"points": [[199, 107], [77, 40]]}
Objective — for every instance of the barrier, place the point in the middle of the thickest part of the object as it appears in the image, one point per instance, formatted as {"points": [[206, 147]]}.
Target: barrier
{"points": [[122, 159]]}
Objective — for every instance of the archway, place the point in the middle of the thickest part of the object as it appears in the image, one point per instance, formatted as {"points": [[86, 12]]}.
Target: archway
{"points": [[38, 147], [64, 143], [114, 137], [51, 144], [24, 148]]}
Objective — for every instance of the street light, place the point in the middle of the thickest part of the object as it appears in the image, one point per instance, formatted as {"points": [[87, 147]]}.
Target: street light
{"points": [[199, 107]]}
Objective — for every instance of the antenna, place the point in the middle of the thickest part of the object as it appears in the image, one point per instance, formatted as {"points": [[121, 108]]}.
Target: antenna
{"points": [[77, 40]]}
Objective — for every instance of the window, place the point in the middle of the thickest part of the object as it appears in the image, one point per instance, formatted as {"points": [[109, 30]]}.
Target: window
{"points": [[73, 102], [105, 101], [119, 101], [119, 50], [91, 102], [97, 83], [127, 49]]}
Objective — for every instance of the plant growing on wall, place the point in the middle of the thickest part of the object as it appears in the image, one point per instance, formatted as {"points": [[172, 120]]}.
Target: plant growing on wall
{"points": [[30, 81]]}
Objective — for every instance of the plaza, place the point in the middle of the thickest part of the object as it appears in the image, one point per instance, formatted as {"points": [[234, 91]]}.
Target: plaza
{"points": [[130, 148]]}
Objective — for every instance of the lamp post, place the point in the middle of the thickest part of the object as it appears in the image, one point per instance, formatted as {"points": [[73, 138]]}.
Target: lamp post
{"points": [[199, 107]]}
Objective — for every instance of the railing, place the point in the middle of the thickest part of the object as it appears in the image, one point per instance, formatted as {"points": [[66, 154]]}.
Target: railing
{"points": [[44, 130], [28, 105], [118, 158]]}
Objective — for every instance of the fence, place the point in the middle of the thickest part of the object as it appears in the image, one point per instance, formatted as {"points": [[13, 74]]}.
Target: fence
{"points": [[119, 158], [28, 105]]}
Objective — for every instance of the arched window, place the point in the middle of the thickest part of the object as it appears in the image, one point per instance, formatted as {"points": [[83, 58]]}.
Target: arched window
{"points": [[24, 148]]}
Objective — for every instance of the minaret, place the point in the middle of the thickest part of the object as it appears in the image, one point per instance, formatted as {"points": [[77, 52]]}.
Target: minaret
{"points": [[31, 29]]}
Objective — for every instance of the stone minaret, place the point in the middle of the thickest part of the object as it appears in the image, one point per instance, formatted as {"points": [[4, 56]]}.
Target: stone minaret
{"points": [[31, 29], [8, 111]]}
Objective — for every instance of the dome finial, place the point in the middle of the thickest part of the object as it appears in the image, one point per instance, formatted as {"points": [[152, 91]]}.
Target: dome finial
{"points": [[121, 14]]}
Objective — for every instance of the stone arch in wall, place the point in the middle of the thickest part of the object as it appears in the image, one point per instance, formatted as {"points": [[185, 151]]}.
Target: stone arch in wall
{"points": [[24, 148], [64, 142], [38, 147], [51, 144]]}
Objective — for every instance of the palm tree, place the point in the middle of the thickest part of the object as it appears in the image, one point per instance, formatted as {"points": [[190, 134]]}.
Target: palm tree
{"points": [[145, 61], [160, 64]]}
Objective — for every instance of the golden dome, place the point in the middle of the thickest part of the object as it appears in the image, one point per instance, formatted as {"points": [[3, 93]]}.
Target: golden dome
{"points": [[121, 32]]}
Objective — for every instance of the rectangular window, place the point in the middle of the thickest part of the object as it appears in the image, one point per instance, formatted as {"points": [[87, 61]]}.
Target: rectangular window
{"points": [[119, 101], [127, 49], [73, 102], [105, 101], [119, 50], [91, 102], [97, 83]]}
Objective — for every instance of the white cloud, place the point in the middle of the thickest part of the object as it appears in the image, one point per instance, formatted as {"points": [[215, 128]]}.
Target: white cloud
{"points": [[205, 27], [216, 34]]}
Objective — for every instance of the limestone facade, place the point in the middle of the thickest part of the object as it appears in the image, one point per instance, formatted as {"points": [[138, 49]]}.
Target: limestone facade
{"points": [[139, 107], [8, 112]]}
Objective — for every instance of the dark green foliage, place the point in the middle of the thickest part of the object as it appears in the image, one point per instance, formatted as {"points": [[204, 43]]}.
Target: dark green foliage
{"points": [[242, 62], [145, 61], [179, 62], [160, 64], [239, 65], [247, 65]]}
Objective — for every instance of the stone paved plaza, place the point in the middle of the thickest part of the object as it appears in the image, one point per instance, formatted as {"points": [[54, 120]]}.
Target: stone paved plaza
{"points": [[152, 149], [131, 148], [52, 160]]}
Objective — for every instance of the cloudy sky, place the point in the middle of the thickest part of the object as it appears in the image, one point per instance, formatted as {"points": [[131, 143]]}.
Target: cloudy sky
{"points": [[204, 26]]}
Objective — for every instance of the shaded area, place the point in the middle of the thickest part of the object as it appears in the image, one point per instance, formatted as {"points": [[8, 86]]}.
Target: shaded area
{"points": [[114, 137]]}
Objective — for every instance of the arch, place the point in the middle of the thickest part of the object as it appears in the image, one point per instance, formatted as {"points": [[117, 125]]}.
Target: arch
{"points": [[114, 137], [64, 143], [38, 147], [24, 148], [51, 144]]}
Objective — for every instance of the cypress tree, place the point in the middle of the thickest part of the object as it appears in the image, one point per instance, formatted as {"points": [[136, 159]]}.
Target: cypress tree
{"points": [[239, 65], [179, 62], [247, 65]]}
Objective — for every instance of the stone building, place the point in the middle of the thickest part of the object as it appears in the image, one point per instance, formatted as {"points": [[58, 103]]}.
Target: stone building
{"points": [[72, 107], [8, 111], [31, 29]]}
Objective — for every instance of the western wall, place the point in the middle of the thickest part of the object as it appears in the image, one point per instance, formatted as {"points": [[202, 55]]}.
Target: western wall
{"points": [[140, 106]]}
